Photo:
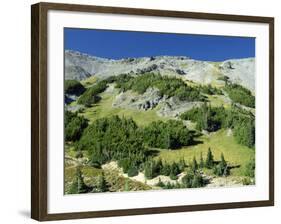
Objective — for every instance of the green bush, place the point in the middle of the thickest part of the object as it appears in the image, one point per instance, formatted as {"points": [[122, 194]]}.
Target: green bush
{"points": [[74, 126], [133, 171], [73, 87], [90, 96]]}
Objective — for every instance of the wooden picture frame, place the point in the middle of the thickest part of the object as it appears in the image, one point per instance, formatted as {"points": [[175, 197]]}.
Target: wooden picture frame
{"points": [[39, 109]]}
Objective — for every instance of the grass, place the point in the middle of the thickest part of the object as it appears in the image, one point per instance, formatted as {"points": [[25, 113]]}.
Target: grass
{"points": [[218, 100], [219, 142], [104, 109], [89, 81]]}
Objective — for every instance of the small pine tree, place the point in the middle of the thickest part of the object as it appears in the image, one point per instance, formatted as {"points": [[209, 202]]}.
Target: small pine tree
{"points": [[166, 170], [182, 164], [78, 186], [194, 165], [148, 169], [210, 159], [201, 164], [197, 181], [221, 169], [102, 185], [223, 162]]}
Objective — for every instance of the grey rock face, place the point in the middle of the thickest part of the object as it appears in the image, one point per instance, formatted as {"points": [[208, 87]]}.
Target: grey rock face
{"points": [[130, 100], [173, 107], [240, 71]]}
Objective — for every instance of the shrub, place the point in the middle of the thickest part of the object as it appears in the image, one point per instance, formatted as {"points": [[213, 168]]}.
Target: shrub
{"points": [[73, 87], [90, 96], [74, 126], [133, 171]]}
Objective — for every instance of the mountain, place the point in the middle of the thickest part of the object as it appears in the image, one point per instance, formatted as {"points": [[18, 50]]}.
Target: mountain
{"points": [[80, 66]]}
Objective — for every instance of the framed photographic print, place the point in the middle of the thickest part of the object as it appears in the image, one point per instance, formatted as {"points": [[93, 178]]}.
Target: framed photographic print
{"points": [[139, 111]]}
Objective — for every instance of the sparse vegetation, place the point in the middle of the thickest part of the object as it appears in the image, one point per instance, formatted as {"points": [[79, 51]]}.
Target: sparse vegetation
{"points": [[239, 94], [169, 86]]}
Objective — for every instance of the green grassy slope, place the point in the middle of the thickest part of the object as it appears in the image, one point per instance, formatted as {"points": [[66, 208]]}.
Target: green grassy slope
{"points": [[235, 154]]}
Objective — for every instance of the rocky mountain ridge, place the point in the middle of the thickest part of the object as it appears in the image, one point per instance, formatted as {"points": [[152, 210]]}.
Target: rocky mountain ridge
{"points": [[80, 66]]}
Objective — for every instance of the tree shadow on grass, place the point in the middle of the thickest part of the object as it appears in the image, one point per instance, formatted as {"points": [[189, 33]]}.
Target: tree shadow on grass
{"points": [[195, 142], [152, 152]]}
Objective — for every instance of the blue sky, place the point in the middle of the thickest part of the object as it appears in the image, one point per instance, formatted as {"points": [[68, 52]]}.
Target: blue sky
{"points": [[124, 44]]}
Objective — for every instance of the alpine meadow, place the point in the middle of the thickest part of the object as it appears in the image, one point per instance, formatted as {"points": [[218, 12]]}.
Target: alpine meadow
{"points": [[154, 111]]}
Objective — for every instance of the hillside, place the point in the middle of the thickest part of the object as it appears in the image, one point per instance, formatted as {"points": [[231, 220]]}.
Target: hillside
{"points": [[158, 123]]}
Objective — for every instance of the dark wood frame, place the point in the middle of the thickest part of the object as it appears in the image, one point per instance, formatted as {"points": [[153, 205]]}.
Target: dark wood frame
{"points": [[39, 110]]}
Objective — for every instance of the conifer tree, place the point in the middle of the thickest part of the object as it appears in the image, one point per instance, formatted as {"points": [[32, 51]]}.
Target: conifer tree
{"points": [[201, 164], [78, 186], [194, 165], [210, 159]]}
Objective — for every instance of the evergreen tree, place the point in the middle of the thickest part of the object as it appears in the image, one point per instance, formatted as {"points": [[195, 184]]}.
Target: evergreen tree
{"points": [[201, 164], [174, 171], [102, 185], [210, 159], [221, 169], [197, 181], [166, 170], [182, 164], [78, 186], [148, 169], [194, 165]]}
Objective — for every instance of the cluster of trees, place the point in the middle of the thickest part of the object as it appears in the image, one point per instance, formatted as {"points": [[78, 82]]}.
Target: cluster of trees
{"points": [[78, 186], [73, 126], [120, 139], [154, 168], [206, 117], [239, 94], [91, 95], [73, 87], [220, 168], [167, 135], [169, 86], [213, 118], [114, 138]]}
